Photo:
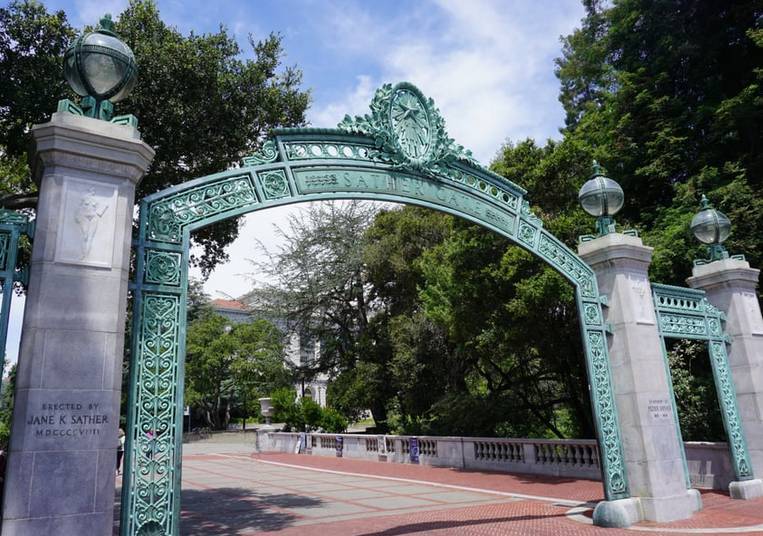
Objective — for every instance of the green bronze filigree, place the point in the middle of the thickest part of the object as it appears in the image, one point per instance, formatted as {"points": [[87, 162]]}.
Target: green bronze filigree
{"points": [[398, 153], [163, 267], [408, 131], [153, 459], [267, 155], [684, 313], [561, 257], [526, 233], [592, 315], [274, 184], [724, 386], [13, 217], [326, 150], [12, 226], [613, 463], [168, 216], [5, 240]]}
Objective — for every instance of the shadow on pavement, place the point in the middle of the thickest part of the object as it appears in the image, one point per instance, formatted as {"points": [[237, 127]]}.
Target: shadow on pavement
{"points": [[230, 510], [414, 528]]}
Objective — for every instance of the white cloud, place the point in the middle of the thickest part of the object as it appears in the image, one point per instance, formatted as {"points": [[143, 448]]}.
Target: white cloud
{"points": [[89, 12], [354, 102], [487, 64]]}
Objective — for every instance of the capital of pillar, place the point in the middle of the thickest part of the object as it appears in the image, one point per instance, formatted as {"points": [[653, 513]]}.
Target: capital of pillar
{"points": [[730, 286], [62, 453], [652, 447], [732, 274]]}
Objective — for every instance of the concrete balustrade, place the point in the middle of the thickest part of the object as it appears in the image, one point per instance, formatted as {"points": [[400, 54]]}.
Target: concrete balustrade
{"points": [[709, 464]]}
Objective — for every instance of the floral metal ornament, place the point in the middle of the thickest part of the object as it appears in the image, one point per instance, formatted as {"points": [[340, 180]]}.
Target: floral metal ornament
{"points": [[408, 130]]}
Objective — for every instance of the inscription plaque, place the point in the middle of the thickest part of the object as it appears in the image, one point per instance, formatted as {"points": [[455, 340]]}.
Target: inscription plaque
{"points": [[660, 411], [62, 420]]}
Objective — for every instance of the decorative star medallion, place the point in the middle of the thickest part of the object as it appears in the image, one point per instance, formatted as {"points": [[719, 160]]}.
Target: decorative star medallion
{"points": [[408, 131], [410, 123]]}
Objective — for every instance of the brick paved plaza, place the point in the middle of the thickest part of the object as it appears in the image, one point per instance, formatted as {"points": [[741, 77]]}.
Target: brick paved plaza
{"points": [[228, 490]]}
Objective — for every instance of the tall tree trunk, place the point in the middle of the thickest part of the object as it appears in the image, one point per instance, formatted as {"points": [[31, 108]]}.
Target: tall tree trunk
{"points": [[379, 413]]}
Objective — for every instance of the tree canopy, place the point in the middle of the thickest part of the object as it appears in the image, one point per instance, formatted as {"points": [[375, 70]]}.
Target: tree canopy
{"points": [[200, 104], [464, 333], [230, 366]]}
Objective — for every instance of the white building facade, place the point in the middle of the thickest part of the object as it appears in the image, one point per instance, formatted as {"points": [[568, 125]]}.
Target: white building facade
{"points": [[300, 350]]}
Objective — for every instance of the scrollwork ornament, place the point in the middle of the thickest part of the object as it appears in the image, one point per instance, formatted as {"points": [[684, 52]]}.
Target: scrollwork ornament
{"points": [[5, 243], [153, 465], [168, 216], [613, 463], [266, 155], [569, 264], [526, 233], [11, 216], [727, 400], [592, 314]]}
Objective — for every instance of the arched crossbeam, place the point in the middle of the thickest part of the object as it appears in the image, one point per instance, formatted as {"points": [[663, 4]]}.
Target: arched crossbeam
{"points": [[400, 152]]}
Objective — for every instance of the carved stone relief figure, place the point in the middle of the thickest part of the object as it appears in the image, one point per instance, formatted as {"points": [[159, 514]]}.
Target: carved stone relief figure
{"points": [[88, 216]]}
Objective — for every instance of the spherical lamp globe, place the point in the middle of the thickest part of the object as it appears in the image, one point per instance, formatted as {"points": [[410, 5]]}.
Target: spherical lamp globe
{"points": [[100, 66]]}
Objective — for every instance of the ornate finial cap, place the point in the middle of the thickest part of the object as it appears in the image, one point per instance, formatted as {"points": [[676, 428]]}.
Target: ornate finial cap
{"points": [[597, 170], [106, 25]]}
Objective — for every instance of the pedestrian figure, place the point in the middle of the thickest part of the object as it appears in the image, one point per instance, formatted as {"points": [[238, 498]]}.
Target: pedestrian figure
{"points": [[120, 450], [151, 443]]}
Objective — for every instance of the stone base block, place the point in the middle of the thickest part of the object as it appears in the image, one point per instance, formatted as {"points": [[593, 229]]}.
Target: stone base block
{"points": [[746, 489], [97, 523], [672, 508], [697, 498], [618, 514]]}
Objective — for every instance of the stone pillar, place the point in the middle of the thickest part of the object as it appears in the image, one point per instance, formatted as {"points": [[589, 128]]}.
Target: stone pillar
{"points": [[652, 450], [61, 466], [730, 286]]}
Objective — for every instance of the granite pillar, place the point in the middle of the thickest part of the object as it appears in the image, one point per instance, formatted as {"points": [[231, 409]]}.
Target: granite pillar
{"points": [[652, 450], [730, 286], [62, 456]]}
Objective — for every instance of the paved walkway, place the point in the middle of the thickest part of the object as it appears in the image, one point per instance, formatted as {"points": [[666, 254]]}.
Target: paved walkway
{"points": [[227, 491]]}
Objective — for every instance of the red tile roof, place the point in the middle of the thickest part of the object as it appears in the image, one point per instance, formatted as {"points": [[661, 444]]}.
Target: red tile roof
{"points": [[229, 304]]}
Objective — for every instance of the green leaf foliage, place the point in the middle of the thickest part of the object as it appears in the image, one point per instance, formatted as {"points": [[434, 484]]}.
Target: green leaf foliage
{"points": [[230, 366], [305, 415], [199, 103], [481, 338], [6, 406]]}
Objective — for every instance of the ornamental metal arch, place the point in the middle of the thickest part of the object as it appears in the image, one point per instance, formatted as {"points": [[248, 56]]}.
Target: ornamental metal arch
{"points": [[685, 313], [400, 152]]}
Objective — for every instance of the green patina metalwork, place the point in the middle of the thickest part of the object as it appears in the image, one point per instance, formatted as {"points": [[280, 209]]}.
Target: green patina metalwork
{"points": [[400, 153], [12, 226], [684, 313]]}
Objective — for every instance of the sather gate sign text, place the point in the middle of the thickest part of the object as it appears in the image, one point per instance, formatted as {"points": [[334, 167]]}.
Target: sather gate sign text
{"points": [[400, 152]]}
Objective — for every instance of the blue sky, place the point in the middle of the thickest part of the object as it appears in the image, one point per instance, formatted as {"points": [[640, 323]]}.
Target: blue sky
{"points": [[488, 64]]}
